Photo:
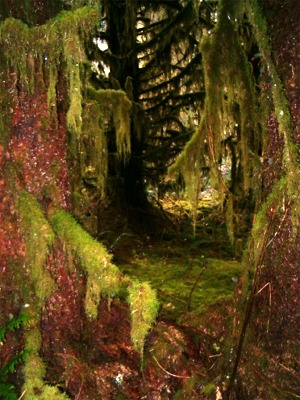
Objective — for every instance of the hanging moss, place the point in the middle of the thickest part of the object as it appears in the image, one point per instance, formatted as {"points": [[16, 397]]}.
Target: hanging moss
{"points": [[94, 148], [230, 106], [144, 308], [59, 42], [120, 106], [16, 40]]}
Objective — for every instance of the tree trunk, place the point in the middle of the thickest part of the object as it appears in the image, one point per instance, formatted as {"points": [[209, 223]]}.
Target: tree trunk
{"points": [[269, 324], [122, 41], [54, 276]]}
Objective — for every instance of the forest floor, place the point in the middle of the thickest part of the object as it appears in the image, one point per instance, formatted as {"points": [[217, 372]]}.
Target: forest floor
{"points": [[195, 277]]}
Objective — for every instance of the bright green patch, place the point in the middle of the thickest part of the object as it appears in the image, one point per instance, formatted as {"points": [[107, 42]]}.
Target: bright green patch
{"points": [[185, 286], [102, 276], [144, 308], [39, 238]]}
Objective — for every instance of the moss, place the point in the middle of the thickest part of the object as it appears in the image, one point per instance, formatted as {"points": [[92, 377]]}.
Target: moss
{"points": [[209, 389], [34, 369], [120, 106], [58, 43], [174, 279], [15, 37], [39, 238], [94, 153], [229, 110], [282, 112], [144, 308], [102, 276]]}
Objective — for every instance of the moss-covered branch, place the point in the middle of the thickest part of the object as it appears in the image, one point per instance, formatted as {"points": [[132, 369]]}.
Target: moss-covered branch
{"points": [[39, 238], [104, 278]]}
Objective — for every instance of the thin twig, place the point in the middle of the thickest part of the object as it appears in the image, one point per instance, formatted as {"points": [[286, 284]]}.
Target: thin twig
{"points": [[170, 295], [22, 395], [248, 310], [169, 373], [188, 306]]}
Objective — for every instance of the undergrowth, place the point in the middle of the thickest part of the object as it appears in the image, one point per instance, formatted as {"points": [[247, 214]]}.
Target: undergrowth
{"points": [[7, 389]]}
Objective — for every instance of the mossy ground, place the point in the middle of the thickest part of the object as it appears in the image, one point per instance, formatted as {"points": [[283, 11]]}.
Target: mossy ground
{"points": [[193, 277]]}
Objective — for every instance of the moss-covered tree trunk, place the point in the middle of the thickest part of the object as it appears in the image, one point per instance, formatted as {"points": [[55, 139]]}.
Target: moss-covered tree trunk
{"points": [[256, 104], [275, 320], [84, 322], [266, 364]]}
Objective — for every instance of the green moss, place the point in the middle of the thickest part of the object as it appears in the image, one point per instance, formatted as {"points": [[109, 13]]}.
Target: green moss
{"points": [[230, 106], [117, 103], [39, 238], [102, 276], [34, 369], [174, 279], [144, 308], [57, 44], [282, 113], [94, 155], [209, 389], [15, 37]]}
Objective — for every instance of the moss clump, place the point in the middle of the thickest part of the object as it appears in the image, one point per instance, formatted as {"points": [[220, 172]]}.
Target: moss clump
{"points": [[120, 106], [39, 238], [102, 276], [144, 308], [94, 153]]}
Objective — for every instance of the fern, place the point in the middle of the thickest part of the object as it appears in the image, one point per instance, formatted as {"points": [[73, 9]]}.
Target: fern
{"points": [[8, 392], [13, 324], [11, 366]]}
